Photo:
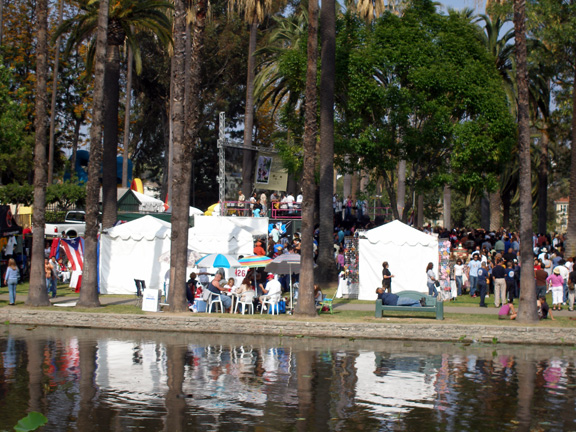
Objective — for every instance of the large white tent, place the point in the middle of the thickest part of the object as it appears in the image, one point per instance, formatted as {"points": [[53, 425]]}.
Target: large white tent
{"points": [[132, 251], [408, 252]]}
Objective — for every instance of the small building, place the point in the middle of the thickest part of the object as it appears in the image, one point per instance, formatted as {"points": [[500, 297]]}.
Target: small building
{"points": [[561, 208]]}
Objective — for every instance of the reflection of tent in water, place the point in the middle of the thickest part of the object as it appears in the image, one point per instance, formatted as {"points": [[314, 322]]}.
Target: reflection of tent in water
{"points": [[137, 371], [400, 389]]}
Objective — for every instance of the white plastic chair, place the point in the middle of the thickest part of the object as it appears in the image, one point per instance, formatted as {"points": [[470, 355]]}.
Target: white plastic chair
{"points": [[272, 301], [215, 300], [248, 298]]}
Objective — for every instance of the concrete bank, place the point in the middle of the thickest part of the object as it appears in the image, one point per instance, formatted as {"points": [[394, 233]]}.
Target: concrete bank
{"points": [[164, 322]]}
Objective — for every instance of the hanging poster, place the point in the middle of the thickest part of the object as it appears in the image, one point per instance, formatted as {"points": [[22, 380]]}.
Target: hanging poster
{"points": [[270, 172]]}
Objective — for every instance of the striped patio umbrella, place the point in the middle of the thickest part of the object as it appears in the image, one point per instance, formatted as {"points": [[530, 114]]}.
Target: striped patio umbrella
{"points": [[252, 261]]}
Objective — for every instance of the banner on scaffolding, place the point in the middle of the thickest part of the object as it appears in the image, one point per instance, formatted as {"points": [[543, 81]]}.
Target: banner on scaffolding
{"points": [[270, 172]]}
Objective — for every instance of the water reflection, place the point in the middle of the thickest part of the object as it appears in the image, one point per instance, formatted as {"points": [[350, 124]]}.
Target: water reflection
{"points": [[120, 381]]}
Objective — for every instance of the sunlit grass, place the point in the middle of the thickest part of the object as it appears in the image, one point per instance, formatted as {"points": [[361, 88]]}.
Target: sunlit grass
{"points": [[127, 304]]}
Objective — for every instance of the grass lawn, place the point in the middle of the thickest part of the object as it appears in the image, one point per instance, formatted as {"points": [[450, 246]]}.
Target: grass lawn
{"points": [[126, 304]]}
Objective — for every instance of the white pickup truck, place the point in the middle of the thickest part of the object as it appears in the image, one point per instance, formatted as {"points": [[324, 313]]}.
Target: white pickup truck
{"points": [[74, 225]]}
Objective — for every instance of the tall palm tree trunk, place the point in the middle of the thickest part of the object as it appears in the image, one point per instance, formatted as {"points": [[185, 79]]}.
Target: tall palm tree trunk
{"points": [[306, 295], [401, 191], [37, 294], [571, 229], [248, 155], [126, 140], [109, 170], [495, 203], [527, 311], [54, 94], [326, 263], [543, 183], [447, 207], [184, 138], [89, 291]]}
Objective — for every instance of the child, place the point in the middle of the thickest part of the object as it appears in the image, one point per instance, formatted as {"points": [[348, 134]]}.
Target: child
{"points": [[230, 285]]}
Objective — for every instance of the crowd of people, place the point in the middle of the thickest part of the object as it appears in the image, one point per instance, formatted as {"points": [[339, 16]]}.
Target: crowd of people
{"points": [[485, 264]]}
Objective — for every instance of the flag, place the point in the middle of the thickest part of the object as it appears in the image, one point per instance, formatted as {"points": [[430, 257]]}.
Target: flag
{"points": [[74, 249]]}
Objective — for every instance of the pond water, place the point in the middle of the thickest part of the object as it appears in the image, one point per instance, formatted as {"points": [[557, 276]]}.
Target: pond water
{"points": [[96, 380]]}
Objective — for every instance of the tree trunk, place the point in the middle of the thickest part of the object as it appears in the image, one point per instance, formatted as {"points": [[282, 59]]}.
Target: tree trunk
{"points": [[571, 229], [527, 311], [401, 191], [54, 94], [447, 207], [543, 183], [186, 122], [326, 263], [77, 125], [506, 204], [420, 212], [485, 212], [88, 356], [37, 294], [110, 152], [248, 155], [127, 109], [89, 291], [306, 305], [495, 203]]}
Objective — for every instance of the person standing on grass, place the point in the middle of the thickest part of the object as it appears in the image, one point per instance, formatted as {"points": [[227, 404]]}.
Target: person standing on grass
{"points": [[386, 277], [11, 279], [474, 266], [556, 285], [431, 280], [482, 283]]}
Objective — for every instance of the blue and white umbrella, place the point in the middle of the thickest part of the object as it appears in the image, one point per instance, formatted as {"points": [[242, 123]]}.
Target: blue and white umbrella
{"points": [[217, 261]]}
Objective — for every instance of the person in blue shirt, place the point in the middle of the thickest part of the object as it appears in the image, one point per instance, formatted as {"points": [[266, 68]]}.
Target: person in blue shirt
{"points": [[482, 283], [11, 279], [474, 266], [510, 278]]}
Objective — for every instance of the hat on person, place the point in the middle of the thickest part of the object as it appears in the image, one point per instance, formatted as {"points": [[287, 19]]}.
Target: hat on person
{"points": [[544, 250], [556, 270], [270, 276]]}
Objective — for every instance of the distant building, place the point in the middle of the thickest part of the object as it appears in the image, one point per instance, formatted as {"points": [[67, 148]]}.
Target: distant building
{"points": [[561, 214]]}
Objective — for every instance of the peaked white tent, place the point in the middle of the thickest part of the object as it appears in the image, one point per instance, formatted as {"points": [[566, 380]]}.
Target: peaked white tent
{"points": [[408, 252], [131, 251]]}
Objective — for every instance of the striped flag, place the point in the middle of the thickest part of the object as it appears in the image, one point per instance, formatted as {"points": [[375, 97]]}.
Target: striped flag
{"points": [[74, 249]]}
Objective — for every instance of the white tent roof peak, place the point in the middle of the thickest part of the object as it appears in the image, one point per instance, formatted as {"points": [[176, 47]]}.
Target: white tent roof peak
{"points": [[146, 227], [399, 234]]}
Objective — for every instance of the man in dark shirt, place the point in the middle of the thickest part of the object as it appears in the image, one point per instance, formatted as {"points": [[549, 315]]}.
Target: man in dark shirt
{"points": [[499, 273], [393, 300], [571, 291]]}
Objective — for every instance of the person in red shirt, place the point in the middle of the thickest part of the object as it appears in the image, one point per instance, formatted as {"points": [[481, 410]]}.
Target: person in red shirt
{"points": [[259, 250]]}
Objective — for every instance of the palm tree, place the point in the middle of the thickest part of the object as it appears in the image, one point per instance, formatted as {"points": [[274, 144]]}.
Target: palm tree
{"points": [[185, 127], [89, 291], [126, 18], [326, 262], [306, 297], [37, 294], [54, 94], [527, 307], [254, 13]]}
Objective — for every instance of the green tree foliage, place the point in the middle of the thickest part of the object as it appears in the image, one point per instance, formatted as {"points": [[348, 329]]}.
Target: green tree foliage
{"points": [[15, 143], [15, 193], [422, 88]]}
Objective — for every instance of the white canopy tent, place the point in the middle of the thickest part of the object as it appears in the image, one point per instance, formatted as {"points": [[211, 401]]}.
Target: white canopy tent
{"points": [[408, 252], [132, 251], [256, 226]]}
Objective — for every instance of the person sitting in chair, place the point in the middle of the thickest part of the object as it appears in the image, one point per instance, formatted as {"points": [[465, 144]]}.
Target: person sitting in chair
{"points": [[272, 288], [394, 300], [215, 288]]}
